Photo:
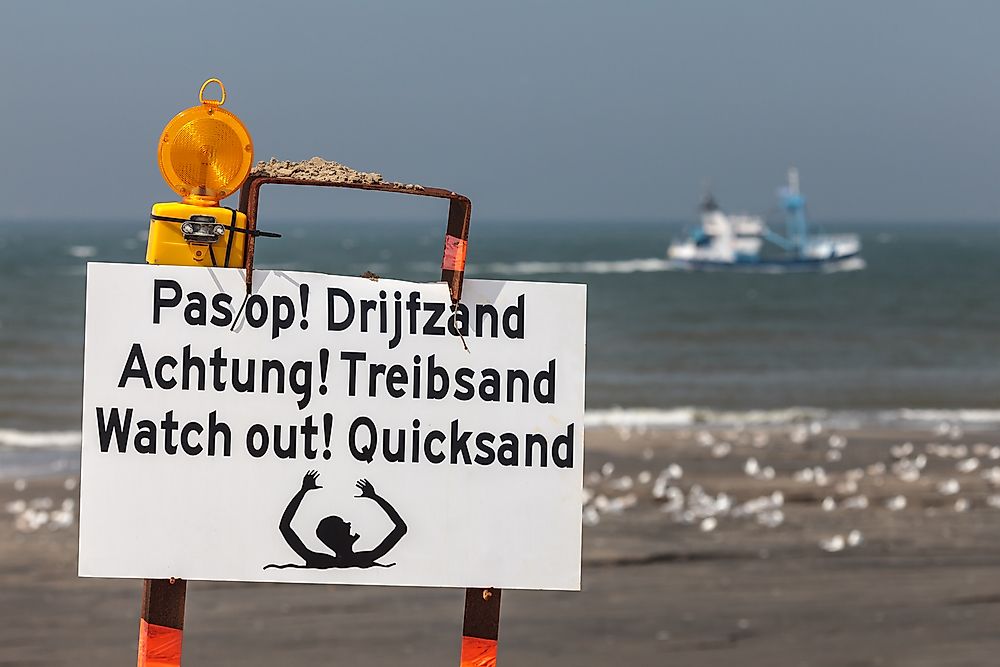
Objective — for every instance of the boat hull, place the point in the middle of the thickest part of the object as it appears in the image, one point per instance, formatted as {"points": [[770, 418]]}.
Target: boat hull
{"points": [[852, 262]]}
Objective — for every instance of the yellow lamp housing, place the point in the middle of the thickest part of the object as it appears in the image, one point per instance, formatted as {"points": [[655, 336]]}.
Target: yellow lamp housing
{"points": [[205, 153], [189, 235]]}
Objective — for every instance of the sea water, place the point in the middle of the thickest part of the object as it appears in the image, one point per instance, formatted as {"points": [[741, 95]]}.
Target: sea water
{"points": [[911, 338]]}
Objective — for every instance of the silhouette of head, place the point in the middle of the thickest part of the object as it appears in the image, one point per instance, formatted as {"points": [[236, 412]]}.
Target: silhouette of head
{"points": [[336, 534]]}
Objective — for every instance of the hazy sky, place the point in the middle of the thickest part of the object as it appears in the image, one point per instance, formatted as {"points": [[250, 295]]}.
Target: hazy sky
{"points": [[536, 110]]}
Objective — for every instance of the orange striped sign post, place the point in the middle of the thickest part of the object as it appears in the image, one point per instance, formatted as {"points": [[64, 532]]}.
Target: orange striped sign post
{"points": [[161, 623], [481, 628]]}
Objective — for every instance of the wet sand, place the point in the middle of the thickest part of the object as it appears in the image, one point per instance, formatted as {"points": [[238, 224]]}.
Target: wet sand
{"points": [[919, 586]]}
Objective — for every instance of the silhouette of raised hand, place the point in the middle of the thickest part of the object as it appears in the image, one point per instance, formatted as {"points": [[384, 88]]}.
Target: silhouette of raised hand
{"points": [[366, 488], [309, 481]]}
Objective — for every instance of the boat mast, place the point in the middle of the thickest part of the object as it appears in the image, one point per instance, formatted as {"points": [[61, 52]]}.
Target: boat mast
{"points": [[708, 202], [795, 210]]}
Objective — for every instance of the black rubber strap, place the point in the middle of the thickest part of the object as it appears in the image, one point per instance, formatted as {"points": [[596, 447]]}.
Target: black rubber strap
{"points": [[229, 239], [233, 228], [164, 218]]}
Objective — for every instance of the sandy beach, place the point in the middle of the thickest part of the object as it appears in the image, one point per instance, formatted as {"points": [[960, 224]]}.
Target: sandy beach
{"points": [[692, 305], [787, 567]]}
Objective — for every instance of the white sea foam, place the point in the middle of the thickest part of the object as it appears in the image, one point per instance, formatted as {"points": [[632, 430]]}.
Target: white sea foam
{"points": [[849, 264], [638, 265], [691, 416], [646, 265], [638, 418], [10, 437], [965, 416], [82, 251], [633, 265]]}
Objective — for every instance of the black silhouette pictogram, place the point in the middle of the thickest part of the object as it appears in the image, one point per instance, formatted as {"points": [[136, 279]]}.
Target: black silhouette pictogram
{"points": [[336, 533]]}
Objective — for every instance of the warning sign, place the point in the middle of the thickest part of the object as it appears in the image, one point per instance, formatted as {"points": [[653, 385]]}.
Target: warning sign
{"points": [[330, 429]]}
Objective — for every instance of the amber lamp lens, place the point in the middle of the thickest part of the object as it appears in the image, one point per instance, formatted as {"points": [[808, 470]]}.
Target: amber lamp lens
{"points": [[205, 153]]}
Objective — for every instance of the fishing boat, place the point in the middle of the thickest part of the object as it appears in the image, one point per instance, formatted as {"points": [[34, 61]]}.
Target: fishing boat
{"points": [[725, 242]]}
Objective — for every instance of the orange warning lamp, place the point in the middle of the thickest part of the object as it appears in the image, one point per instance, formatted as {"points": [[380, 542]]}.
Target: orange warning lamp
{"points": [[205, 153]]}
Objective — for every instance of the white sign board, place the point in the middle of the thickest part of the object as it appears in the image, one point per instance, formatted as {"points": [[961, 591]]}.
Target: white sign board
{"points": [[334, 430]]}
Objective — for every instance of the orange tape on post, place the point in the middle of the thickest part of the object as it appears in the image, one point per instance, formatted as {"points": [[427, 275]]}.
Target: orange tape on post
{"points": [[454, 253], [159, 646], [478, 652]]}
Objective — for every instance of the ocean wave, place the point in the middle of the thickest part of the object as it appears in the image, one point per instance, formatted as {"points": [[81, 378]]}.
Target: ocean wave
{"points": [[626, 266], [849, 264], [656, 418], [639, 265], [648, 265], [960, 415], [82, 251], [10, 437], [691, 416]]}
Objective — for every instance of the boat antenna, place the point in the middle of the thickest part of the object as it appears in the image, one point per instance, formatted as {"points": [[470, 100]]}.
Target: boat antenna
{"points": [[793, 180], [708, 202]]}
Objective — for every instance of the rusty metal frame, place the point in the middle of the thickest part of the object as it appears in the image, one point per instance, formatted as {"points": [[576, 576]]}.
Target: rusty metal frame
{"points": [[459, 215], [482, 606]]}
